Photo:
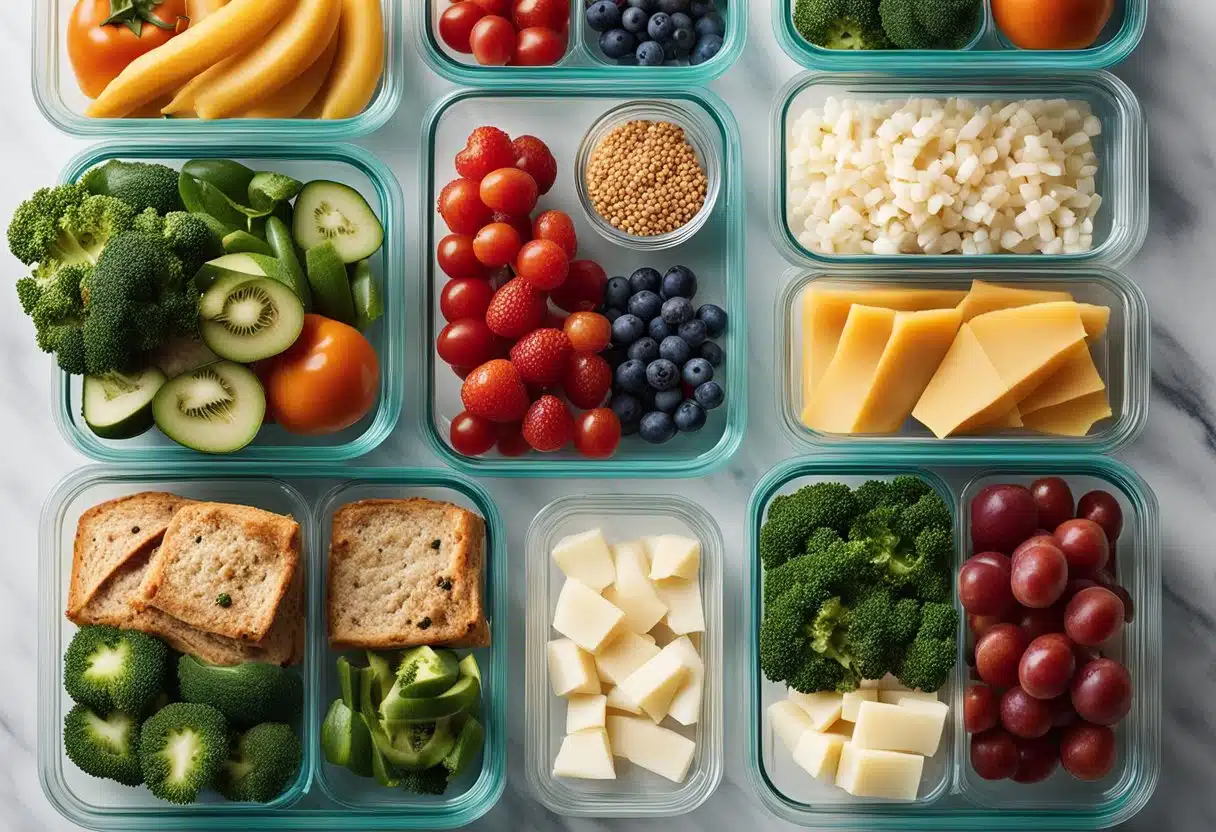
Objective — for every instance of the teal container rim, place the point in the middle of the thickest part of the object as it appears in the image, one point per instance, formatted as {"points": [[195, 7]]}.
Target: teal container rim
{"points": [[1123, 429], [564, 72], [392, 354], [459, 812], [45, 72], [534, 465], [1147, 760], [970, 58], [1127, 201]]}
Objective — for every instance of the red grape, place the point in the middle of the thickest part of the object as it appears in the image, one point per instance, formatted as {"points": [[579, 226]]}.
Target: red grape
{"points": [[1083, 543], [981, 709], [1062, 712], [980, 624], [1053, 498], [1047, 666], [1038, 538], [1040, 622], [1037, 758], [997, 655], [994, 755], [1104, 510], [1024, 716], [1088, 751], [597, 433], [1094, 616], [983, 584], [1074, 586], [1002, 516], [1102, 692], [1104, 578], [538, 46], [1039, 576]]}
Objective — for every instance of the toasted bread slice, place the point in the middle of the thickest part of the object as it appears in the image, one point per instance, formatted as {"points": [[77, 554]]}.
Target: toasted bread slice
{"points": [[404, 573], [110, 533], [212, 550]]}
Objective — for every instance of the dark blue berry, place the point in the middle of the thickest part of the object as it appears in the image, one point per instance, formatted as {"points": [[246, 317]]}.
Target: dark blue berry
{"points": [[668, 400], [684, 40], [710, 395], [659, 329], [612, 314], [646, 279], [675, 349], [646, 305], [644, 349], [627, 329], [712, 353], [679, 282], [677, 310], [662, 374], [681, 21], [631, 377], [650, 53], [604, 15], [700, 8], [706, 48], [634, 20], [693, 332], [673, 6], [696, 372], [628, 408], [710, 24], [657, 427], [660, 27], [714, 318], [616, 293], [669, 51], [690, 416], [647, 6], [617, 43]]}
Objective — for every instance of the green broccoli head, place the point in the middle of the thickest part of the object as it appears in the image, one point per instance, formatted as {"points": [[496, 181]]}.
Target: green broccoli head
{"points": [[929, 512], [65, 225], [784, 636], [793, 518], [870, 643], [433, 780], [53, 298], [263, 763], [840, 24], [906, 489], [821, 540], [140, 184], [929, 24], [817, 673], [246, 694], [872, 494], [905, 621], [911, 545], [192, 239], [182, 749], [105, 747], [932, 654], [149, 222], [109, 669]]}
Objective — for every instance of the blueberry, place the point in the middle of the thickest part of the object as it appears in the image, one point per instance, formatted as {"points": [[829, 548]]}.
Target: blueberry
{"points": [[711, 24], [616, 293], [677, 310], [673, 6], [650, 53], [612, 314], [696, 372], [646, 279], [604, 15], [627, 329], [707, 47], [631, 376], [660, 27], [679, 282], [644, 349], [662, 374], [710, 395], [657, 427], [617, 43], [634, 20], [700, 8], [675, 350], [668, 400], [659, 329], [693, 332], [628, 408], [712, 353], [690, 416], [646, 305], [714, 318], [647, 6], [670, 53], [684, 40], [681, 21]]}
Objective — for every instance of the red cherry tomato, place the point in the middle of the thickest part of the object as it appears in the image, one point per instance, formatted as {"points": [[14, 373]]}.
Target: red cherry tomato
{"points": [[558, 227], [472, 435], [554, 14], [493, 41], [597, 433], [496, 244], [522, 224], [498, 7], [584, 287], [511, 440], [461, 207], [465, 297], [467, 342], [457, 22], [509, 190], [543, 264], [538, 46], [457, 258]]}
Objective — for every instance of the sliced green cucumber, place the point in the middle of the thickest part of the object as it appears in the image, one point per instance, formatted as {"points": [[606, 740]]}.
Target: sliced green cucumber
{"points": [[365, 292], [119, 405], [397, 709], [242, 242], [216, 409], [330, 212], [278, 236], [254, 319], [468, 667], [425, 671], [416, 746], [468, 746], [345, 739], [382, 665], [349, 679], [330, 285]]}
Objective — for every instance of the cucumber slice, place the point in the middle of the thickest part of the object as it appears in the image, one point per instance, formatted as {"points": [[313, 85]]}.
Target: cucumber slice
{"points": [[254, 319], [330, 285], [278, 236], [119, 406], [369, 305], [330, 212], [382, 664], [345, 739], [425, 671], [216, 409], [242, 242], [468, 746], [349, 680], [397, 709], [258, 265], [416, 746]]}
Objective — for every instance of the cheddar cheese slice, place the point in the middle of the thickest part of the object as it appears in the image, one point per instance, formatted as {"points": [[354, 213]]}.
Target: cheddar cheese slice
{"points": [[966, 390], [1095, 320], [1076, 377], [838, 400], [1028, 344], [991, 297], [1072, 418]]}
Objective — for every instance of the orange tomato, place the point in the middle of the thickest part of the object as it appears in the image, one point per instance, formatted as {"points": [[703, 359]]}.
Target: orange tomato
{"points": [[325, 382], [1052, 24], [99, 51]]}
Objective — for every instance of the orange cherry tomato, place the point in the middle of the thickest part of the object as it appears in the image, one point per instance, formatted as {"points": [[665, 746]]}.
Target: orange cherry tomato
{"points": [[99, 51], [325, 382], [1052, 24]]}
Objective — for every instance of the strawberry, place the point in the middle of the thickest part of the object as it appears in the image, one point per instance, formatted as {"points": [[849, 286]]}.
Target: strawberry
{"points": [[533, 156], [548, 424], [516, 309], [587, 380], [583, 290], [495, 391], [541, 356], [487, 149]]}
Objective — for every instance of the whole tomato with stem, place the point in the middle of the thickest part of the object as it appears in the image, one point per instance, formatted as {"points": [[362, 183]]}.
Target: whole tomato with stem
{"points": [[102, 42]]}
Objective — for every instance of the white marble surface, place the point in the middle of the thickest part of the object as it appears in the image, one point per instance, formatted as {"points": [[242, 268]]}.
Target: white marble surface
{"points": [[1177, 453]]}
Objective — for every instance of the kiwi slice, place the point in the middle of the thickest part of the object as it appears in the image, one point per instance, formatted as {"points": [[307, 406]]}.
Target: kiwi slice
{"points": [[118, 405], [216, 409], [248, 320], [330, 212]]}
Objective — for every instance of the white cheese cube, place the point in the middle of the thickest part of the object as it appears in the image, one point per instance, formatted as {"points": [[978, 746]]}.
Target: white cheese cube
{"points": [[868, 772], [571, 670], [686, 705], [821, 708], [673, 556], [891, 682], [654, 684], [662, 634], [586, 756], [618, 701], [652, 747], [623, 655], [789, 722], [633, 592], [585, 711], [894, 728], [683, 599], [819, 754], [586, 557], [852, 701], [584, 617], [894, 697], [844, 729], [868, 684], [939, 710]]}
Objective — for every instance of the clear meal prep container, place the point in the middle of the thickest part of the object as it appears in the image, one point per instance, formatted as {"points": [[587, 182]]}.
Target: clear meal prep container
{"points": [[321, 798], [1122, 179], [636, 792], [62, 103], [1121, 355], [583, 61], [560, 117], [344, 163], [951, 795], [987, 50]]}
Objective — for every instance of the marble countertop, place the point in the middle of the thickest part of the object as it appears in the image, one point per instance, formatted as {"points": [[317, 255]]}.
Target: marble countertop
{"points": [[1176, 454]]}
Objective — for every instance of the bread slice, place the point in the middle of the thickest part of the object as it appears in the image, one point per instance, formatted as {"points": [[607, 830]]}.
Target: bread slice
{"points": [[110, 533], [212, 550], [404, 573]]}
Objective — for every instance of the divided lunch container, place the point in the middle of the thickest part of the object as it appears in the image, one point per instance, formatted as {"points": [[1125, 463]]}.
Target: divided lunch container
{"points": [[344, 163], [1121, 355], [560, 117], [987, 51], [62, 103], [1122, 148], [323, 797], [951, 795]]}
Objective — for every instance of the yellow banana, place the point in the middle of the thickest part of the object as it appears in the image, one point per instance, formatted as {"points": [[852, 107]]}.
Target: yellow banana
{"points": [[291, 100], [360, 62]]}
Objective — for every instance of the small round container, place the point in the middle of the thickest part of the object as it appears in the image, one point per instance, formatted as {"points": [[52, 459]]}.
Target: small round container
{"points": [[699, 133]]}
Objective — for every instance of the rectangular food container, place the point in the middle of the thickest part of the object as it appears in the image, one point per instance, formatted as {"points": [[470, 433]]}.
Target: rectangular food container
{"points": [[1122, 179], [344, 163], [583, 61], [988, 50], [62, 103], [952, 796], [1121, 355], [715, 253], [636, 793], [311, 495]]}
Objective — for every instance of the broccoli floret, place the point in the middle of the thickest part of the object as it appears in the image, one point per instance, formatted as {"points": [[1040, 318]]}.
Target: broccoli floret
{"points": [[840, 24], [149, 222], [911, 547], [105, 747], [869, 643], [821, 540], [793, 518], [109, 669], [182, 749], [56, 306], [932, 654], [929, 24], [246, 694], [871, 494], [929, 512], [140, 184], [905, 620], [264, 761], [906, 489], [192, 239], [433, 780], [817, 673]]}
